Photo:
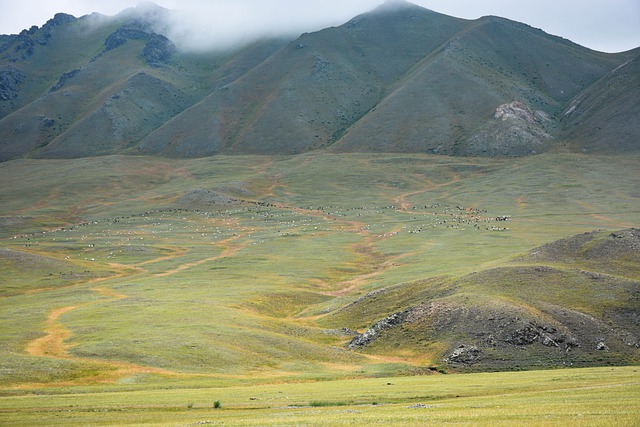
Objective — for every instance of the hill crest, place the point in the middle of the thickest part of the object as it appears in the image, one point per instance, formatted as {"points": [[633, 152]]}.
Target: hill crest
{"points": [[568, 302]]}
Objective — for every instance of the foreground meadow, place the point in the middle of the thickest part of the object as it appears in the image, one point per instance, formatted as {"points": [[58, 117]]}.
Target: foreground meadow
{"points": [[576, 397], [143, 290]]}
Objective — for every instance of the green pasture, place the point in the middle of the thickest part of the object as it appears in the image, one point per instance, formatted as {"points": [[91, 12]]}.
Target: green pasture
{"points": [[580, 397], [168, 303]]}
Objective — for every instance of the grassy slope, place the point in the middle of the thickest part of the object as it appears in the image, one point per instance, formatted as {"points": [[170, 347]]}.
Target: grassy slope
{"points": [[193, 282], [602, 118], [329, 79], [22, 118], [59, 56], [114, 99], [453, 92], [391, 80], [146, 291]]}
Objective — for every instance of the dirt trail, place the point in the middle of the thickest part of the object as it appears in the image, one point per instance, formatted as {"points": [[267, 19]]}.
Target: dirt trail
{"points": [[177, 251], [378, 264], [404, 205], [53, 343], [590, 209], [231, 250]]}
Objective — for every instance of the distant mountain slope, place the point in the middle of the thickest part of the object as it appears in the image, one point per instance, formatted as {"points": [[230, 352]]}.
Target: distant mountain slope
{"points": [[98, 85], [399, 78], [605, 117], [571, 302], [306, 95], [448, 103]]}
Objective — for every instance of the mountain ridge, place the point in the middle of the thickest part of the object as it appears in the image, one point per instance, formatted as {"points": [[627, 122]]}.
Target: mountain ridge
{"points": [[400, 78]]}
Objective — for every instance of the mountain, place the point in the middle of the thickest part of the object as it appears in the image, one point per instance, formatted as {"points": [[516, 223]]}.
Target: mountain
{"points": [[604, 117], [400, 78]]}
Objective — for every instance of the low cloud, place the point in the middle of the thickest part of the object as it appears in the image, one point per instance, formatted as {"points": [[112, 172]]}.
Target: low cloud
{"points": [[207, 24], [219, 24], [201, 24], [204, 24]]}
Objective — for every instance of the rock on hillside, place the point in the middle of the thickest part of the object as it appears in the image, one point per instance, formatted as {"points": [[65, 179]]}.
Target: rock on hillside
{"points": [[521, 316], [10, 80], [516, 130]]}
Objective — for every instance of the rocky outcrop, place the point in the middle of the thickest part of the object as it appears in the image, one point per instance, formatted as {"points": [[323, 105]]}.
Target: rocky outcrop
{"points": [[10, 80], [22, 46], [374, 332], [516, 110], [532, 333], [516, 130], [47, 122], [59, 19], [438, 313], [157, 51], [464, 355], [121, 35], [63, 79]]}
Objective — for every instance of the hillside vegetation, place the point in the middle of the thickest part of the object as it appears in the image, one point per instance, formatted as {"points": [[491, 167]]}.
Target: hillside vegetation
{"points": [[397, 79], [315, 266]]}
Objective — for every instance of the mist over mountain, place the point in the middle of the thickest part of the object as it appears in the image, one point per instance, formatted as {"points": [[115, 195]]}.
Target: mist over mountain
{"points": [[400, 78]]}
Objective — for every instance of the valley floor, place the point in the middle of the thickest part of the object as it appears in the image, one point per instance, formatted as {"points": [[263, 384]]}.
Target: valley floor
{"points": [[148, 288]]}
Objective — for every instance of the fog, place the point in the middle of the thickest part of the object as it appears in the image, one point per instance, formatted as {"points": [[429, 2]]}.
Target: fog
{"points": [[214, 24], [606, 25]]}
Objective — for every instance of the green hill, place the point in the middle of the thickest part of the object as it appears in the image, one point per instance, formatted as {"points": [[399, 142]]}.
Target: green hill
{"points": [[98, 85], [546, 311]]}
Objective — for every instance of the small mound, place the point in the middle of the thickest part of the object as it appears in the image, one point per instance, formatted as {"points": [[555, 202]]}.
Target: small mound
{"points": [[610, 252], [203, 198]]}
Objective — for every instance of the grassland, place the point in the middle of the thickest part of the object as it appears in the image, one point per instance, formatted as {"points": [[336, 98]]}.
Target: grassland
{"points": [[580, 397], [137, 286]]}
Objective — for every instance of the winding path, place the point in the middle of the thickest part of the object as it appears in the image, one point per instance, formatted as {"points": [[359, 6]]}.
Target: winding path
{"points": [[55, 342]]}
